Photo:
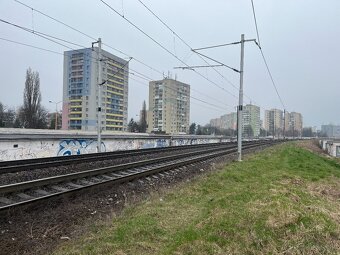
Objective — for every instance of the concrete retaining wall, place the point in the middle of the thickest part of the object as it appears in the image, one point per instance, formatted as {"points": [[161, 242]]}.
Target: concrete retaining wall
{"points": [[332, 147], [24, 144]]}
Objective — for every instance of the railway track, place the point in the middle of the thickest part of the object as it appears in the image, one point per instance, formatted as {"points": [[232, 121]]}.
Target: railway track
{"points": [[39, 163], [22, 193]]}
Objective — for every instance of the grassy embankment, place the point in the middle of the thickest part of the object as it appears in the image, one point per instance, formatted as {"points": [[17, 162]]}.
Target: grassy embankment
{"points": [[283, 200]]}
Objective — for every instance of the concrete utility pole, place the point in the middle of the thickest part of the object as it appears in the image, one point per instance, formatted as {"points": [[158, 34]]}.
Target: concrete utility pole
{"points": [[56, 113], [100, 83], [99, 140], [240, 104], [284, 124]]}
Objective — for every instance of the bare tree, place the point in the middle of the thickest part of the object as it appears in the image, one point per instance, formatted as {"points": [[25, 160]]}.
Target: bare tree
{"points": [[2, 114], [32, 114], [143, 124], [7, 116]]}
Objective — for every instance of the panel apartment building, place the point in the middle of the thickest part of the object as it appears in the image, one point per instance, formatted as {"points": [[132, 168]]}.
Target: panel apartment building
{"points": [[293, 124], [251, 121], [229, 121], [250, 125], [273, 122], [80, 91], [169, 106], [331, 130]]}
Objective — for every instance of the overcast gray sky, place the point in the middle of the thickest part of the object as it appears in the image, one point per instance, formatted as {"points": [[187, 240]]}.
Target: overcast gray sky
{"points": [[300, 39]]}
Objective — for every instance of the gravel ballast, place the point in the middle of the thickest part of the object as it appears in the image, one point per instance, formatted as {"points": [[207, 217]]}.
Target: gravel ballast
{"points": [[39, 228]]}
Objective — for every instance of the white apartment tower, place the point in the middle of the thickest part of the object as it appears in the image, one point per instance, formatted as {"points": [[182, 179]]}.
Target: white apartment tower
{"points": [[251, 121], [293, 123], [169, 106], [273, 122], [80, 90]]}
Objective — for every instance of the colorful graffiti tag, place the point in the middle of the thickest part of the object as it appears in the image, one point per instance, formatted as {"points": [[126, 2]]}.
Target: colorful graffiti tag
{"points": [[159, 143], [78, 146]]}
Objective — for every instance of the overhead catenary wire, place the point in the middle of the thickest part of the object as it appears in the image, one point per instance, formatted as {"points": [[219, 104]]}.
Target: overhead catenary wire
{"points": [[47, 37], [144, 77], [163, 47], [264, 58], [255, 20], [140, 76], [272, 79], [195, 98], [31, 46], [93, 38], [39, 33], [88, 36], [183, 41]]}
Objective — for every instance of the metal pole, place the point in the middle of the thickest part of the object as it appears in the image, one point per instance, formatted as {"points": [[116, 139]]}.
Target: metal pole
{"points": [[99, 125], [284, 124], [240, 107], [56, 116]]}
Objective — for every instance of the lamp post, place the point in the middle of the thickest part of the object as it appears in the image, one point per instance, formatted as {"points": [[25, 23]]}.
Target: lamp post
{"points": [[56, 113]]}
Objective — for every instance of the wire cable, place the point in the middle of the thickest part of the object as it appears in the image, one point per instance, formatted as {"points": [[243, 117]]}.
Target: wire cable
{"points": [[163, 47], [87, 35], [201, 57], [272, 79], [92, 38], [31, 46], [144, 77], [195, 98], [48, 37], [264, 59], [140, 74], [257, 30]]}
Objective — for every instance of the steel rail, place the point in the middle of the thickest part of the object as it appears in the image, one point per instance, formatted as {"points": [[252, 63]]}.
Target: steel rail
{"points": [[88, 173], [38, 163], [168, 162]]}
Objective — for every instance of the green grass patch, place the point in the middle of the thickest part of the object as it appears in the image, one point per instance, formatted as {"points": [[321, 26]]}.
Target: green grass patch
{"points": [[283, 200]]}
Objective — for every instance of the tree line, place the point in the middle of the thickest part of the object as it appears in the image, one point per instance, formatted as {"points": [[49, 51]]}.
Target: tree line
{"points": [[141, 125], [31, 114]]}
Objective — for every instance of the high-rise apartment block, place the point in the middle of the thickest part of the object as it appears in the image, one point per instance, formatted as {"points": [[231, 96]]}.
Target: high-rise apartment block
{"points": [[331, 130], [251, 121], [169, 106], [229, 121], [215, 122], [80, 90], [293, 124], [273, 122]]}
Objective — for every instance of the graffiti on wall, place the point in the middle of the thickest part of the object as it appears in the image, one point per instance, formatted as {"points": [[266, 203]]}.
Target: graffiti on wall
{"points": [[159, 143], [78, 146], [181, 141]]}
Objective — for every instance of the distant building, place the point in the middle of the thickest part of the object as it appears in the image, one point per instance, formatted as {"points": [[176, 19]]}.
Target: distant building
{"points": [[80, 90], [229, 121], [169, 106], [215, 122], [273, 122], [331, 130], [293, 124], [251, 121]]}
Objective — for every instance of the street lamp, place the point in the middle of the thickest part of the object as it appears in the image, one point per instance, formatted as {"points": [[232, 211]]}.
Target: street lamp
{"points": [[56, 112]]}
